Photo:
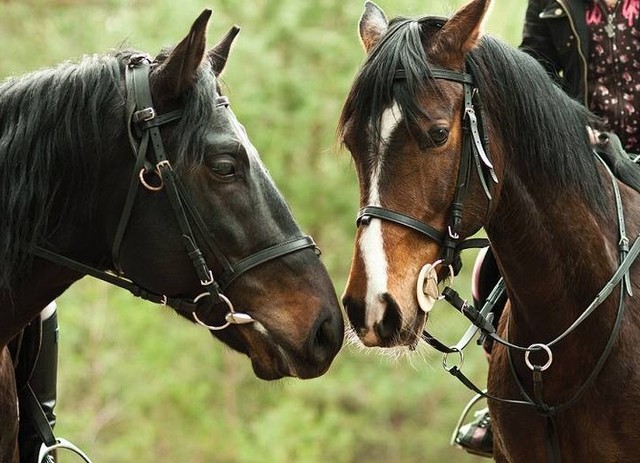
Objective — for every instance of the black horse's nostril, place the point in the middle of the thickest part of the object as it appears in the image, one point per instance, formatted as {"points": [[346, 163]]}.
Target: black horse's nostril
{"points": [[326, 341]]}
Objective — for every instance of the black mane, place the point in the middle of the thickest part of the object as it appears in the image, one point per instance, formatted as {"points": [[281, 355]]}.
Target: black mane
{"points": [[545, 129], [56, 126]]}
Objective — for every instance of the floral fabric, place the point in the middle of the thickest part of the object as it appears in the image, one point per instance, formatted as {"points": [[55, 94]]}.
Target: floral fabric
{"points": [[614, 68]]}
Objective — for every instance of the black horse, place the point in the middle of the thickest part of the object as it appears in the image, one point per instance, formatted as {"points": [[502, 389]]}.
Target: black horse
{"points": [[134, 169]]}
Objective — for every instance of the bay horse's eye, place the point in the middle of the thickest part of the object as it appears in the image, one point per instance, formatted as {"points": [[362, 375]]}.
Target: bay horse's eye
{"points": [[224, 167], [438, 135]]}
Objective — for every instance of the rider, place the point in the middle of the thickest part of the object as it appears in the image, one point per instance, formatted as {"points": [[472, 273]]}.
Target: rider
{"points": [[35, 353], [592, 49]]}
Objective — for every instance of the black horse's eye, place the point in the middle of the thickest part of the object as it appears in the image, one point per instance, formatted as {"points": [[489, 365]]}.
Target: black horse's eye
{"points": [[438, 136], [224, 167]]}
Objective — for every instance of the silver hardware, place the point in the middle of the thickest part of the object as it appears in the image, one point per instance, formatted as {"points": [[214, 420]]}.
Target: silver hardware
{"points": [[232, 317], [460, 360], [543, 347], [209, 281], [453, 235], [427, 291], [145, 115], [238, 318], [62, 444], [147, 185]]}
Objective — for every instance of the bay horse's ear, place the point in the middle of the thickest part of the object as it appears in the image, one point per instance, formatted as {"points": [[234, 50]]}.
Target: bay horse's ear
{"points": [[462, 32], [218, 54], [372, 26], [177, 72]]}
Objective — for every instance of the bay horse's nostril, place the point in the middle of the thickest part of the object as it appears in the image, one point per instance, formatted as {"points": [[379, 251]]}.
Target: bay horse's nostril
{"points": [[355, 311], [389, 327]]}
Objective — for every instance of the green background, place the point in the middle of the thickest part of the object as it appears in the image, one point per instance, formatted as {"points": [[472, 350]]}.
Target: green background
{"points": [[139, 384]]}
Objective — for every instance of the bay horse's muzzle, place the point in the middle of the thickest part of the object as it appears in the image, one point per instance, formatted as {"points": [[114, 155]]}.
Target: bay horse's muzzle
{"points": [[385, 332]]}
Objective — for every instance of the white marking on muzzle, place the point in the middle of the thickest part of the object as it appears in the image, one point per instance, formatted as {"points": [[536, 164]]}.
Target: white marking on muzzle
{"points": [[371, 241]]}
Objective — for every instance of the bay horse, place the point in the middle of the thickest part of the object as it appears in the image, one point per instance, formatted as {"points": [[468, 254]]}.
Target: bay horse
{"points": [[135, 170], [450, 131]]}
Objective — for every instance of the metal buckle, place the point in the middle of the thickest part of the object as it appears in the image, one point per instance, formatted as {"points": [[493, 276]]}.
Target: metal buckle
{"points": [[209, 281], [144, 115]]}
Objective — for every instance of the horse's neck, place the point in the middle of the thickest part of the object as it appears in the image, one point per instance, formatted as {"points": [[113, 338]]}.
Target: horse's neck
{"points": [[555, 253], [25, 300]]}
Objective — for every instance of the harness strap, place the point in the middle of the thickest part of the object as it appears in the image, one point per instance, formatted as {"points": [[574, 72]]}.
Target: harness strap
{"points": [[180, 305], [366, 213], [623, 244], [278, 250], [32, 407]]}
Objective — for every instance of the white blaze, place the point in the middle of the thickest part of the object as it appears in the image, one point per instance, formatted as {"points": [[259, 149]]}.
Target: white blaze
{"points": [[371, 242]]}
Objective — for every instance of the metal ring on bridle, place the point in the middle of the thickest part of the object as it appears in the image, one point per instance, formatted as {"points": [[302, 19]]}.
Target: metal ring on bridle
{"points": [[446, 355], [225, 299], [537, 347], [428, 277], [232, 317], [148, 186]]}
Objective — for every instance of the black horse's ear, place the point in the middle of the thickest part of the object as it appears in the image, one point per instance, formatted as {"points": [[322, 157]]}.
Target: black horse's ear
{"points": [[372, 26], [218, 55], [462, 32], [177, 72]]}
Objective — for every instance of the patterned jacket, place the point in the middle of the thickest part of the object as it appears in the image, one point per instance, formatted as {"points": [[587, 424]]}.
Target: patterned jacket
{"points": [[555, 33]]}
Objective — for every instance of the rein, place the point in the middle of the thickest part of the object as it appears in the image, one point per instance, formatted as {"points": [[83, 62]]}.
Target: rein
{"points": [[480, 322], [482, 319], [143, 125]]}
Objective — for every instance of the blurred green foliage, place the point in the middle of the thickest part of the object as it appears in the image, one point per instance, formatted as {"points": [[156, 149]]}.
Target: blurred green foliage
{"points": [[138, 384]]}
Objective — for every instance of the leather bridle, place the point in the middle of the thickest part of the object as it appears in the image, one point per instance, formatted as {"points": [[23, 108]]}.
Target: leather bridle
{"points": [[143, 125], [474, 152]]}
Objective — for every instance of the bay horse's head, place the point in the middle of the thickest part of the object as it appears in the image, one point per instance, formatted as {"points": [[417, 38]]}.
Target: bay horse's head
{"points": [[207, 227], [403, 122]]}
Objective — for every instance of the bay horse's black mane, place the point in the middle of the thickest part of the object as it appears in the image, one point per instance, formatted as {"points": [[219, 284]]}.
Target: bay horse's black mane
{"points": [[56, 126], [547, 132]]}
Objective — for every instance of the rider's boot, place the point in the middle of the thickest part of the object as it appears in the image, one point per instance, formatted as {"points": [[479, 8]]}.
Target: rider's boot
{"points": [[476, 436], [43, 381]]}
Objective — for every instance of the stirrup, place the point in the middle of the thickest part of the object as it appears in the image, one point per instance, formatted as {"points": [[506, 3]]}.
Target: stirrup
{"points": [[463, 416], [63, 444]]}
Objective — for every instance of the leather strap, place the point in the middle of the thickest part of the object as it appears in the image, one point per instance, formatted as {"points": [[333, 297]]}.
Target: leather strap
{"points": [[366, 213], [143, 124], [265, 255]]}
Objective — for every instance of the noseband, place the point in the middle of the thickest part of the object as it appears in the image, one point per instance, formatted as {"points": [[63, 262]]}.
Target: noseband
{"points": [[474, 151], [143, 124]]}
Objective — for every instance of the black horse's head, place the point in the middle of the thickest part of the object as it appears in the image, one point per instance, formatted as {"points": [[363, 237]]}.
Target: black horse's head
{"points": [[294, 323], [138, 166]]}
